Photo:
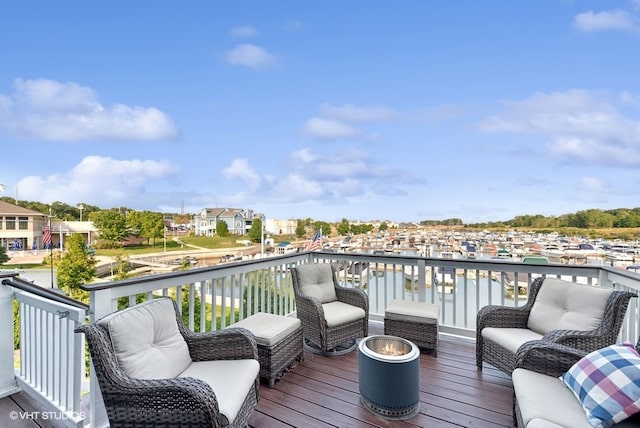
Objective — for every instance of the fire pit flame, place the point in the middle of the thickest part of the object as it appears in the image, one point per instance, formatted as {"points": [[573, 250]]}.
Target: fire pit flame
{"points": [[391, 349]]}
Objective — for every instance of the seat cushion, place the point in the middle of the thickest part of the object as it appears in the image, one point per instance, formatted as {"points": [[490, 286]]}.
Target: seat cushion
{"points": [[316, 280], [564, 305], [230, 380], [146, 340], [544, 400], [269, 329], [510, 338], [338, 313], [407, 310], [607, 383]]}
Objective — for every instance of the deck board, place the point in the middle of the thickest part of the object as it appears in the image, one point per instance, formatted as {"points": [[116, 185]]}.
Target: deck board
{"points": [[323, 392]]}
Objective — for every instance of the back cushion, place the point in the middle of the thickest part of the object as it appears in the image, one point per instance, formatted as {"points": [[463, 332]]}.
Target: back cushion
{"points": [[564, 305], [316, 280], [147, 341]]}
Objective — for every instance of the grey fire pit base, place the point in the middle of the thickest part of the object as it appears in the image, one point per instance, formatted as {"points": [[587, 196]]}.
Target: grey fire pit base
{"points": [[389, 376], [395, 415]]}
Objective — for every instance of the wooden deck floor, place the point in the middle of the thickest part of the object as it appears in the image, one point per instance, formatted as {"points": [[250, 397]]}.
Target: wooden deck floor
{"points": [[323, 392]]}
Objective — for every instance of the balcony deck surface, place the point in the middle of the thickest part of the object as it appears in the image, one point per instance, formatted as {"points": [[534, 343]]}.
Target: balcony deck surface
{"points": [[323, 392]]}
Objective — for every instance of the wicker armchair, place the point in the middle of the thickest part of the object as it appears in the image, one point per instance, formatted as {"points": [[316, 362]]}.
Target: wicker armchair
{"points": [[332, 316], [153, 371], [570, 314]]}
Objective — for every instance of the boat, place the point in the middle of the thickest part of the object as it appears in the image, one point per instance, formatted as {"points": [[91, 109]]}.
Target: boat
{"points": [[468, 250], [354, 271], [582, 250], [503, 253], [553, 251], [539, 260]]}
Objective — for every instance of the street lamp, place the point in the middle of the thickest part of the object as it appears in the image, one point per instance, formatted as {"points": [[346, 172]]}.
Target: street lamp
{"points": [[80, 207]]}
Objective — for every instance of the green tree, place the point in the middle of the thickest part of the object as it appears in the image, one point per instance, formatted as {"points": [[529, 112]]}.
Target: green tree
{"points": [[222, 228], [326, 227], [255, 232], [384, 226], [300, 229], [112, 225], [122, 268], [343, 227], [3, 255], [152, 226], [75, 268]]}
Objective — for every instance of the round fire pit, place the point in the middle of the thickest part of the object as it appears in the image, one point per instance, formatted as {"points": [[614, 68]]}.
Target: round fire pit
{"points": [[389, 376]]}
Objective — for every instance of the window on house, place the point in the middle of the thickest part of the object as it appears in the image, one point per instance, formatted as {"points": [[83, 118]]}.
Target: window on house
{"points": [[10, 223], [23, 223]]}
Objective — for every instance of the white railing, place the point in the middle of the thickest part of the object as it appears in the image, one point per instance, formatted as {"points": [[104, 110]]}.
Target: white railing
{"points": [[460, 287], [52, 356]]}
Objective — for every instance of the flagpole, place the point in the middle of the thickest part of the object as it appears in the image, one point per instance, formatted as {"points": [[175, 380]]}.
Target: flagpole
{"points": [[51, 250]]}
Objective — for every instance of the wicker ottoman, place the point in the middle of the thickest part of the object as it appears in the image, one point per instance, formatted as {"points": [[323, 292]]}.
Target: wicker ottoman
{"points": [[279, 341], [414, 321]]}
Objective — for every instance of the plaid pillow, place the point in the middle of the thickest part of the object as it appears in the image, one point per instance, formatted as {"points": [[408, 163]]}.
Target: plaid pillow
{"points": [[607, 383]]}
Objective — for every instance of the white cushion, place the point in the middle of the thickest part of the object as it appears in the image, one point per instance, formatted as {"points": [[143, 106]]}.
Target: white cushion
{"points": [[146, 340], [316, 280], [269, 329], [408, 310], [338, 313], [510, 339], [564, 305], [230, 380], [545, 398]]}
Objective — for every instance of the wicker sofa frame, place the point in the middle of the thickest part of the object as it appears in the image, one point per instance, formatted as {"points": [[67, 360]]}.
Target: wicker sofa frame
{"points": [[552, 359], [309, 311], [184, 402], [509, 317]]}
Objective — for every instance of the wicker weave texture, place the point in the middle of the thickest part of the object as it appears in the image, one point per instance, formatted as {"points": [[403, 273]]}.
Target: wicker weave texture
{"points": [[424, 335], [277, 360], [309, 311], [507, 317], [184, 402]]}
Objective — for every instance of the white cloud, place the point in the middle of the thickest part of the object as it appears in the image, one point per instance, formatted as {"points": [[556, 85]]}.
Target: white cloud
{"points": [[593, 184], [53, 111], [244, 31], [313, 177], [351, 113], [583, 126], [240, 169], [607, 20], [327, 129], [102, 181], [251, 56]]}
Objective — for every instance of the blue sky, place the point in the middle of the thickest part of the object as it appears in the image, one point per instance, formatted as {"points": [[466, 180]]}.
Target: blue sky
{"points": [[385, 110]]}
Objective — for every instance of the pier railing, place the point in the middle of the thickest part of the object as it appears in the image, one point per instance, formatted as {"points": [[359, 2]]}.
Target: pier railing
{"points": [[239, 289]]}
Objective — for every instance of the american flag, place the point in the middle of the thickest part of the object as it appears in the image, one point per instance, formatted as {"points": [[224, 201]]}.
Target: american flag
{"points": [[316, 242], [46, 236]]}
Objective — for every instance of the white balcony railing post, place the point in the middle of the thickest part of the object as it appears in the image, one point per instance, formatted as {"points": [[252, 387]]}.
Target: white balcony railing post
{"points": [[8, 384]]}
